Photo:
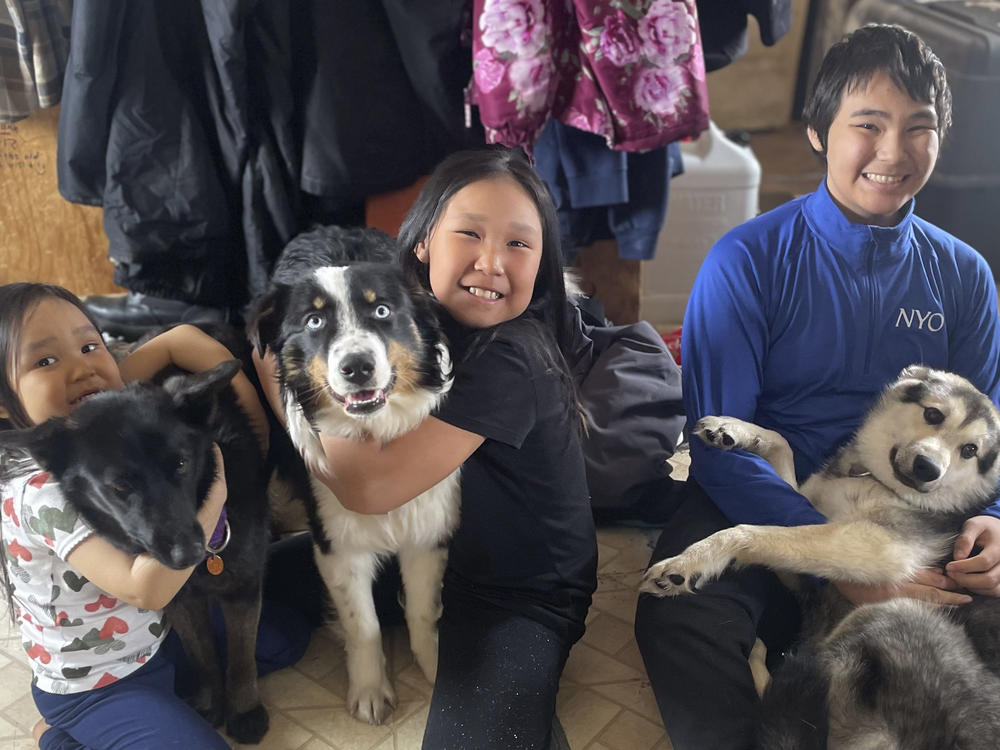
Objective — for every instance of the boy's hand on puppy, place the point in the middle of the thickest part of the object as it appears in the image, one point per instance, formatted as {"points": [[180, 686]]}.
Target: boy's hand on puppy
{"points": [[979, 573], [929, 585]]}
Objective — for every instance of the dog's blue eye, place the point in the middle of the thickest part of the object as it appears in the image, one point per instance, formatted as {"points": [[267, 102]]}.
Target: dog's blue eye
{"points": [[382, 312], [969, 450], [314, 322], [933, 416]]}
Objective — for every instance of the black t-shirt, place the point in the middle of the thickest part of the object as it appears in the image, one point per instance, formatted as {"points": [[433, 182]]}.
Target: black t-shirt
{"points": [[526, 541]]}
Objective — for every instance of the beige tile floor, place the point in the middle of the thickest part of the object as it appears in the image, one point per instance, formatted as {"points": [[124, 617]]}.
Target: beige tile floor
{"points": [[604, 702]]}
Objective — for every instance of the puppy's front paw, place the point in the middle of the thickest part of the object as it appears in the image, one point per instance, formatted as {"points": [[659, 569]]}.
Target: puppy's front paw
{"points": [[668, 578], [699, 564]]}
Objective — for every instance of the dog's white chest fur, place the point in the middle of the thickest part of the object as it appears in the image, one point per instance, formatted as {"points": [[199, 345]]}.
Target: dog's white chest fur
{"points": [[427, 520]]}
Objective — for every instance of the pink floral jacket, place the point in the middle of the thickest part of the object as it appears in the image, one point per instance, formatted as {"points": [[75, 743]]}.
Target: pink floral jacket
{"points": [[629, 70]]}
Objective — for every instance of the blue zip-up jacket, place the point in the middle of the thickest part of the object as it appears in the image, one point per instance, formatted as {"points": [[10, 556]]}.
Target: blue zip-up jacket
{"points": [[797, 321]]}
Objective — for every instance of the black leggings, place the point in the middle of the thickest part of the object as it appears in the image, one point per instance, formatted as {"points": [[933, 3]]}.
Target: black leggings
{"points": [[497, 678], [695, 647]]}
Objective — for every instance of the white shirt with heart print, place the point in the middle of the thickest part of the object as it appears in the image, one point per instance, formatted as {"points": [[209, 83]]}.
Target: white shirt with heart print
{"points": [[77, 637]]}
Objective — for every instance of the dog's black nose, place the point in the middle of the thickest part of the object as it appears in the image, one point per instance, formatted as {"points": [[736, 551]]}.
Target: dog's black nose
{"points": [[357, 368], [185, 553], [925, 470]]}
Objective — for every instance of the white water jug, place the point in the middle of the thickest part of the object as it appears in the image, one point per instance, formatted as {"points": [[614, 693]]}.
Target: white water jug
{"points": [[718, 190]]}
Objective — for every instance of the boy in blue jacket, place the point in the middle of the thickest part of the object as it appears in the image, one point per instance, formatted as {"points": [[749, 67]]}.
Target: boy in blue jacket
{"points": [[797, 320]]}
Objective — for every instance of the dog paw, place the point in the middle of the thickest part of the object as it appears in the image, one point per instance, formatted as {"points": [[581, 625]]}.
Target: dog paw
{"points": [[371, 704], [728, 433], [699, 564], [249, 727], [668, 578]]}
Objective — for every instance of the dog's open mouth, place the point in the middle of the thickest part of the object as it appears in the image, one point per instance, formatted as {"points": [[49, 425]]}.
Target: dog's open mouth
{"points": [[366, 401]]}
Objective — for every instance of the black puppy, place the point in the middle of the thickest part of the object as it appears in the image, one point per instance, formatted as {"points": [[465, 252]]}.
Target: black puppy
{"points": [[137, 464]]}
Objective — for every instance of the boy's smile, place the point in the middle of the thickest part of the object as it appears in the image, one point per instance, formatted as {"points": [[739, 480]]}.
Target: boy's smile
{"points": [[881, 149]]}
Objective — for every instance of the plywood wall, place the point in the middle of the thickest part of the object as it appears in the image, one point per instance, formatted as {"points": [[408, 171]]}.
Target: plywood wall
{"points": [[42, 236]]}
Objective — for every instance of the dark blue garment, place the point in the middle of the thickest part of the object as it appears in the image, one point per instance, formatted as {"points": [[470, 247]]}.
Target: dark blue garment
{"points": [[600, 193], [799, 318], [140, 711], [144, 710], [695, 647]]}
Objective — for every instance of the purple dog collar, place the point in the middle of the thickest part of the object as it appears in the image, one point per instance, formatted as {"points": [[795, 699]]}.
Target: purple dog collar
{"points": [[220, 537]]}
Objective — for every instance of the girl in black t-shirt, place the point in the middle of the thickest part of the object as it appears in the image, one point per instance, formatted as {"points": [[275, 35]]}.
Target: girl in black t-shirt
{"points": [[483, 237]]}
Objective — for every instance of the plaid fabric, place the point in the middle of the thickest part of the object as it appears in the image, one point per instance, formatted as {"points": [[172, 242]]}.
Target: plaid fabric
{"points": [[34, 45]]}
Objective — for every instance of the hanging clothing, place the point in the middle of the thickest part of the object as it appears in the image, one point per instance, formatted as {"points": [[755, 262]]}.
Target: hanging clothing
{"points": [[635, 78], [600, 193], [724, 27], [34, 46], [212, 131], [158, 126], [381, 98]]}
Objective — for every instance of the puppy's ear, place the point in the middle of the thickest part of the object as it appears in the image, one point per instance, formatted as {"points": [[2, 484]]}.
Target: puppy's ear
{"points": [[427, 316], [196, 395], [915, 372], [264, 320], [49, 444], [913, 384]]}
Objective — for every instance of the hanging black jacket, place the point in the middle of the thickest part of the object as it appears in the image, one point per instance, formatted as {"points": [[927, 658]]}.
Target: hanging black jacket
{"points": [[158, 127], [723, 25], [199, 124]]}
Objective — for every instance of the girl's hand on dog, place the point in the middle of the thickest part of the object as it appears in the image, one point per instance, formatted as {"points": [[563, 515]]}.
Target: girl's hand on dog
{"points": [[191, 349], [979, 573], [267, 375], [141, 580], [929, 585]]}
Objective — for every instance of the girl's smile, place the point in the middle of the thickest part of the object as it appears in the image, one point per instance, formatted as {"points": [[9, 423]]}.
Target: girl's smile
{"points": [[484, 252]]}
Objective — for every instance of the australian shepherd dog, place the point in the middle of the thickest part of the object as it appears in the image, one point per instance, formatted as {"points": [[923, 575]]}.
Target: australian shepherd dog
{"points": [[360, 354]]}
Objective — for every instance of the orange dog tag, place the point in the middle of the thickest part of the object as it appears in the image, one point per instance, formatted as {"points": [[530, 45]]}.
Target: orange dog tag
{"points": [[214, 565]]}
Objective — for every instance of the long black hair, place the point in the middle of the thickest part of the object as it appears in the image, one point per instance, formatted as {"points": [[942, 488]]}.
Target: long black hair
{"points": [[548, 308]]}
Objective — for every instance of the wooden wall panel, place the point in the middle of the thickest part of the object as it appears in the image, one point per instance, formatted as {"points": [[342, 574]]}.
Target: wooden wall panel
{"points": [[42, 236], [613, 280]]}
